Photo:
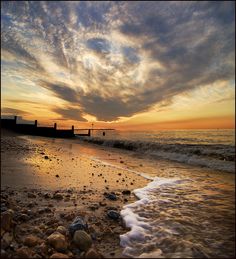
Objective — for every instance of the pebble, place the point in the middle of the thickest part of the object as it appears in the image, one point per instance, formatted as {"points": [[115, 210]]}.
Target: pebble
{"points": [[6, 240], [6, 220], [113, 214], [82, 240], [57, 175], [31, 241], [111, 196], [59, 255], [77, 224], [126, 192], [45, 157], [58, 196], [24, 252], [58, 241], [92, 253], [62, 230], [47, 195], [31, 195]]}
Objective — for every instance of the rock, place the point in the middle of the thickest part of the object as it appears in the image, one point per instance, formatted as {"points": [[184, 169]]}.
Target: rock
{"points": [[45, 157], [121, 161], [126, 192], [113, 214], [31, 195], [46, 195], [92, 253], [23, 217], [62, 230], [58, 241], [82, 240], [77, 224], [102, 203], [24, 252], [58, 196], [3, 254], [57, 175], [6, 240], [111, 196], [31, 241], [6, 220], [59, 255]]}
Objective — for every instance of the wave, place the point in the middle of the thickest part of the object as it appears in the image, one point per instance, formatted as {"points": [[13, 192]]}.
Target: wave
{"points": [[215, 156]]}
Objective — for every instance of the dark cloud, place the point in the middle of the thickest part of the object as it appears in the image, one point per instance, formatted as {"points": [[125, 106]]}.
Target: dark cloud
{"points": [[6, 110], [70, 113], [62, 91]]}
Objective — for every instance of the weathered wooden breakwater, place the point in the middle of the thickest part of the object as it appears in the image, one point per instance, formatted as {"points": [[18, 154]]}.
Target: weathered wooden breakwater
{"points": [[33, 129]]}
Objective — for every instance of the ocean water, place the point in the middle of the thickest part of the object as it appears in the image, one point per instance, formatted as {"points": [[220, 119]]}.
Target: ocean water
{"points": [[208, 148], [188, 208]]}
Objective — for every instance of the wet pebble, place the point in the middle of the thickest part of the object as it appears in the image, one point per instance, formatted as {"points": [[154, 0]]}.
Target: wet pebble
{"points": [[59, 255], [113, 214], [6, 220], [82, 240], [126, 192], [77, 224], [111, 196], [31, 241], [57, 241], [92, 253]]}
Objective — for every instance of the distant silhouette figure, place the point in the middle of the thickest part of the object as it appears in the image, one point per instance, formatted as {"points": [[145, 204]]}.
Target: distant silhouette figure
{"points": [[103, 133]]}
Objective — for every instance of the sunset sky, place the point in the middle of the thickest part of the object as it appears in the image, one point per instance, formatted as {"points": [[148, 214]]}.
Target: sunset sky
{"points": [[126, 65]]}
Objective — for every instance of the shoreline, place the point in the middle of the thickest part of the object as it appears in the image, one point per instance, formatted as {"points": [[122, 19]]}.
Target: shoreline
{"points": [[40, 184]]}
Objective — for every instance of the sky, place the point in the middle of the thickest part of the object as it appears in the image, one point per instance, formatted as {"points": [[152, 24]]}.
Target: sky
{"points": [[126, 65]]}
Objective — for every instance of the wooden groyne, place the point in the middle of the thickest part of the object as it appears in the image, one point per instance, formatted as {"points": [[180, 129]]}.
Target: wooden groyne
{"points": [[33, 129]]}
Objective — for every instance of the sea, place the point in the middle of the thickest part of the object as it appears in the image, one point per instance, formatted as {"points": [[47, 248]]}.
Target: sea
{"points": [[188, 208]]}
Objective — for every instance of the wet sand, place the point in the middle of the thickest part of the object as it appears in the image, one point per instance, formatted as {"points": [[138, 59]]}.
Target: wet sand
{"points": [[48, 182]]}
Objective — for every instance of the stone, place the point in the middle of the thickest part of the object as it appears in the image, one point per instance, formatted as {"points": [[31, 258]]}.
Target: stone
{"points": [[6, 240], [23, 217], [24, 252], [57, 241], [31, 241], [77, 224], [31, 195], [57, 175], [126, 192], [111, 196], [59, 255], [62, 230], [6, 220], [82, 240], [58, 196], [3, 254], [92, 253], [45, 157], [113, 214]]}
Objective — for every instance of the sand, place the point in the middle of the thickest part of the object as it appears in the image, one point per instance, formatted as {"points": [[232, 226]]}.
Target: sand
{"points": [[48, 182]]}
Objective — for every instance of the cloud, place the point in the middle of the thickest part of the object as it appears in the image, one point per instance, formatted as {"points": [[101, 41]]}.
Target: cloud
{"points": [[116, 59], [11, 111], [70, 113]]}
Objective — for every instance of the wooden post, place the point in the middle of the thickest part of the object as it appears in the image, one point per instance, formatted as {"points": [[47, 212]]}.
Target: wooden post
{"points": [[35, 123], [73, 129], [55, 126]]}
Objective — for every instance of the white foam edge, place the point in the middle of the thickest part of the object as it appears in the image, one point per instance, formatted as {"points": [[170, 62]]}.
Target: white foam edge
{"points": [[138, 227]]}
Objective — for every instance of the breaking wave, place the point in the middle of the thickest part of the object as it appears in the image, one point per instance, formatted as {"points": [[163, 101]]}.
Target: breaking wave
{"points": [[215, 156]]}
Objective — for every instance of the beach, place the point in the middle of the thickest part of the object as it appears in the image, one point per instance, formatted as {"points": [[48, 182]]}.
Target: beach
{"points": [[172, 209], [34, 170]]}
